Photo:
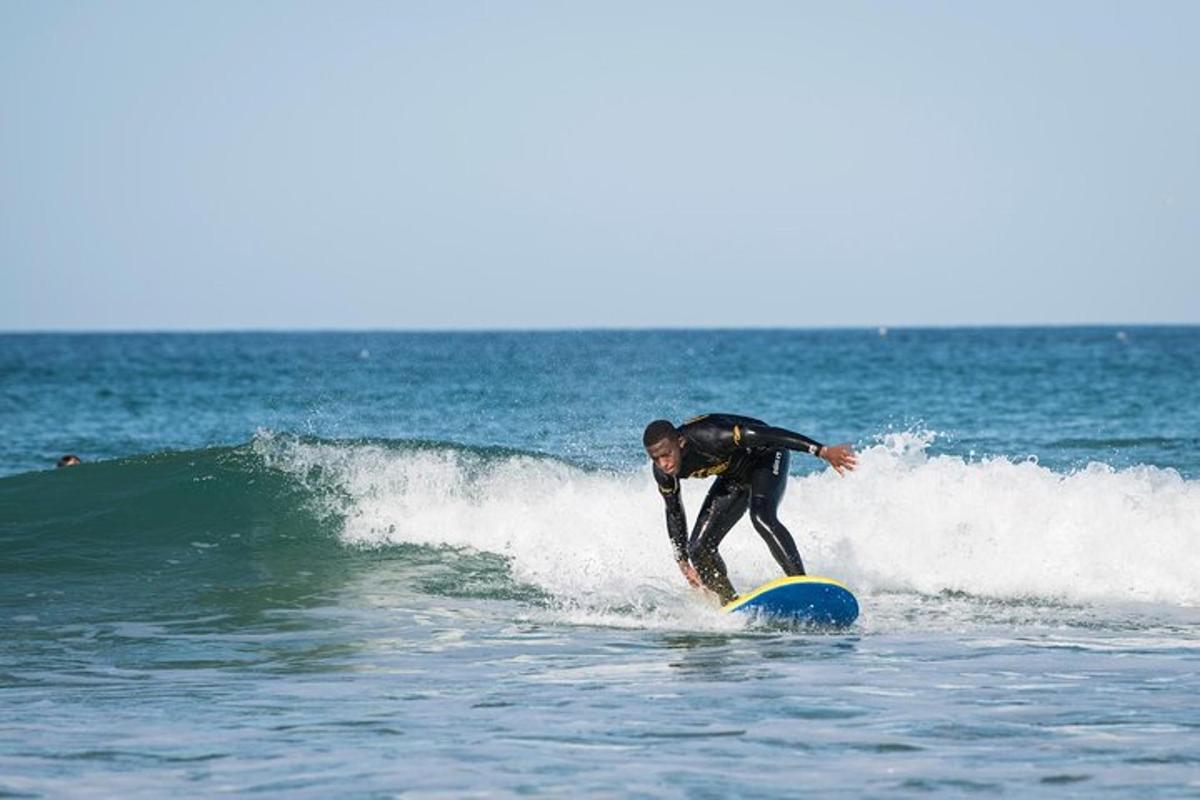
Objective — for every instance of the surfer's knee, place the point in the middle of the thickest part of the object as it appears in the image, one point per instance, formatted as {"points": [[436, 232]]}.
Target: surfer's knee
{"points": [[763, 518]]}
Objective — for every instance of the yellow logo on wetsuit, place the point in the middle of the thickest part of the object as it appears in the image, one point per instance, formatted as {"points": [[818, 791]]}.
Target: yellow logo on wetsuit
{"points": [[715, 469]]}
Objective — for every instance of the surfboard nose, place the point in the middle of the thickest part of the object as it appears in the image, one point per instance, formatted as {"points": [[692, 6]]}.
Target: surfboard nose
{"points": [[805, 599]]}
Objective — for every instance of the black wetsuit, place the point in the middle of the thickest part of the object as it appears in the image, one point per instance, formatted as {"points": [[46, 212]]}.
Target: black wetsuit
{"points": [[750, 459]]}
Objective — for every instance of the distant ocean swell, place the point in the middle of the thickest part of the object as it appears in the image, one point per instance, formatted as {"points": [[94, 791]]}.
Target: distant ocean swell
{"points": [[280, 518]]}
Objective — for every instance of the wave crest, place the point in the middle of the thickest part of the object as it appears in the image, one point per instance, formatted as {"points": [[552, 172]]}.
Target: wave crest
{"points": [[904, 521]]}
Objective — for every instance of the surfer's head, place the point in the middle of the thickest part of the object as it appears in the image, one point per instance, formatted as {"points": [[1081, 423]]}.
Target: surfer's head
{"points": [[664, 445], [68, 460]]}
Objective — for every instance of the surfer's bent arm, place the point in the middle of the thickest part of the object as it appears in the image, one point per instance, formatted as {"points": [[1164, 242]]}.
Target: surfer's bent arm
{"points": [[752, 435], [668, 487]]}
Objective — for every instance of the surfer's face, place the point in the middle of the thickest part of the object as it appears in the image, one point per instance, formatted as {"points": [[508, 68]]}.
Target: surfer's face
{"points": [[666, 454]]}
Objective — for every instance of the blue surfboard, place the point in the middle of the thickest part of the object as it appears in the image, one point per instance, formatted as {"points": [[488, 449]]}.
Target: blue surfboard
{"points": [[804, 599]]}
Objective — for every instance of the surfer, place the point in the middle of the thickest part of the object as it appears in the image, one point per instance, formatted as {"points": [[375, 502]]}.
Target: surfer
{"points": [[750, 460]]}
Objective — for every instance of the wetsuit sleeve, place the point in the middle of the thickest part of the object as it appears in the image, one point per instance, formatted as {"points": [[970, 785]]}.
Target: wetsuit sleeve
{"points": [[756, 435], [668, 487]]}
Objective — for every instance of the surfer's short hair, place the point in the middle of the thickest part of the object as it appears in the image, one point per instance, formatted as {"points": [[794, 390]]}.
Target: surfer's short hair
{"points": [[657, 431]]}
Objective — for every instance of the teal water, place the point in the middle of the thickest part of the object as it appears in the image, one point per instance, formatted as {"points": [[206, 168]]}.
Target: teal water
{"points": [[373, 564]]}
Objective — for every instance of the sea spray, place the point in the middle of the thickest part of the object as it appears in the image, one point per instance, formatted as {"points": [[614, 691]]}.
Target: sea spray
{"points": [[1009, 529], [904, 521]]}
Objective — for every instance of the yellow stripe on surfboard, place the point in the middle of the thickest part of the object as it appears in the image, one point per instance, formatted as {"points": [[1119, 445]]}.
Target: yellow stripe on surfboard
{"points": [[734, 605]]}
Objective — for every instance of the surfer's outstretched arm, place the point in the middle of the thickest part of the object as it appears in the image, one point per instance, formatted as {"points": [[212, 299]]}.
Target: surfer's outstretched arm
{"points": [[767, 436], [841, 457]]}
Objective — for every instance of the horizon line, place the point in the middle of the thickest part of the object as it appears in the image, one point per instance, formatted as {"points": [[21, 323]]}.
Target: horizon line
{"points": [[880, 328]]}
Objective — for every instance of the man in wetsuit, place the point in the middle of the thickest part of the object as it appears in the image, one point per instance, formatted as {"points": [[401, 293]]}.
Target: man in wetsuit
{"points": [[750, 459]]}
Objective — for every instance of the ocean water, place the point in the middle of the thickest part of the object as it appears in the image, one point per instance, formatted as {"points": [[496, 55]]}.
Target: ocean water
{"points": [[435, 565]]}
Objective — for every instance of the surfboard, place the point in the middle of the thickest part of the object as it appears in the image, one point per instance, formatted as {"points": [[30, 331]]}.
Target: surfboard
{"points": [[803, 599]]}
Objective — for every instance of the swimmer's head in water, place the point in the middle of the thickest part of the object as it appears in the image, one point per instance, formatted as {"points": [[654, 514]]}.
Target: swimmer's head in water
{"points": [[69, 461], [664, 445]]}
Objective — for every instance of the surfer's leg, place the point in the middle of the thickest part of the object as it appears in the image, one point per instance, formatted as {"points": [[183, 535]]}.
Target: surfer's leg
{"points": [[767, 482], [724, 505]]}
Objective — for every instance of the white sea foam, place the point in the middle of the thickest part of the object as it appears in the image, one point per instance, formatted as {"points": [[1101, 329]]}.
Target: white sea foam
{"points": [[905, 521]]}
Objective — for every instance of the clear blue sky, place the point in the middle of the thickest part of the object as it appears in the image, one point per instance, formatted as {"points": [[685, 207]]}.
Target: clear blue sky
{"points": [[519, 164]]}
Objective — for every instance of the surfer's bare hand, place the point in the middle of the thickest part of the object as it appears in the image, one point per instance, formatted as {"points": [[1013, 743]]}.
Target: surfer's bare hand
{"points": [[690, 573], [841, 457]]}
